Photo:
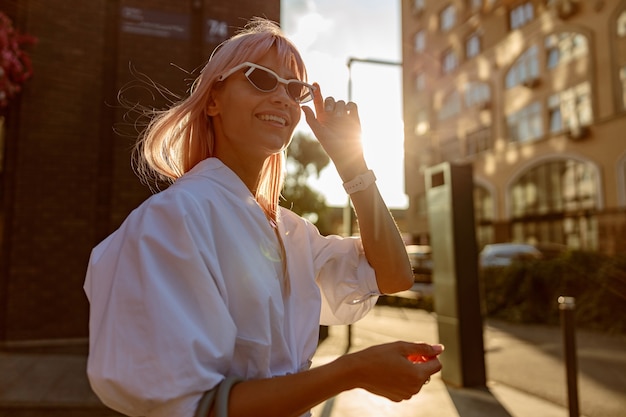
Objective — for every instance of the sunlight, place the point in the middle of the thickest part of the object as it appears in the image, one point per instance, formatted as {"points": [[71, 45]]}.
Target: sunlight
{"points": [[376, 88]]}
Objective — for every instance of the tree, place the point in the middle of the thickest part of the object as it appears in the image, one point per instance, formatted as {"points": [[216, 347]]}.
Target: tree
{"points": [[305, 158], [15, 64]]}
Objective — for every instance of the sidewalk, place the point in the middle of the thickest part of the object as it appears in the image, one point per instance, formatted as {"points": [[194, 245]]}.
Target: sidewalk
{"points": [[525, 371], [386, 324]]}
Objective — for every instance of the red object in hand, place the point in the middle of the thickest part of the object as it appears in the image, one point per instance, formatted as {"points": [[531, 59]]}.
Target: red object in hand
{"points": [[420, 358]]}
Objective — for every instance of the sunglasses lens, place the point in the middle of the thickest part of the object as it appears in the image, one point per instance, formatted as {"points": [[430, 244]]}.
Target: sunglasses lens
{"points": [[263, 80], [299, 91], [267, 81]]}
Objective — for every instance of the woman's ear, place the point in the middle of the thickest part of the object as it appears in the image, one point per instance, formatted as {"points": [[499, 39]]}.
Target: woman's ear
{"points": [[212, 108]]}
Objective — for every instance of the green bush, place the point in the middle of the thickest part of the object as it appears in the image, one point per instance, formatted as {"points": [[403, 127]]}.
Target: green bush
{"points": [[527, 292]]}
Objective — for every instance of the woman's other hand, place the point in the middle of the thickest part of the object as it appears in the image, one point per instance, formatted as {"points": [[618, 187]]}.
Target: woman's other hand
{"points": [[396, 370]]}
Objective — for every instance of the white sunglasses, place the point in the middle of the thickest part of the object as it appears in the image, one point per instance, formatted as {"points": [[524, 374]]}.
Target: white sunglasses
{"points": [[266, 80]]}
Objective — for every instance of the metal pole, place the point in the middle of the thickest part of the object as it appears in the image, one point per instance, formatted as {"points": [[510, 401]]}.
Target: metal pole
{"points": [[348, 215], [567, 306], [347, 210]]}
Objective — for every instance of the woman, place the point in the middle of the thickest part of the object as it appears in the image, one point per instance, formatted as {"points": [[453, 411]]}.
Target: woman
{"points": [[210, 278]]}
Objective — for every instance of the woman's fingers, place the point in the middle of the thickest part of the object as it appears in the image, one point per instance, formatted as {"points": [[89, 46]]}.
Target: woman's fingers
{"points": [[389, 370]]}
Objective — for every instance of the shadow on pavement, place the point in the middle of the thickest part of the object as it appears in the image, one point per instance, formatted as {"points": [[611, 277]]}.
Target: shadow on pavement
{"points": [[600, 356], [476, 402]]}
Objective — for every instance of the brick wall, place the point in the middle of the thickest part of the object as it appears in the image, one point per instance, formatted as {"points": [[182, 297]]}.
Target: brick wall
{"points": [[67, 178]]}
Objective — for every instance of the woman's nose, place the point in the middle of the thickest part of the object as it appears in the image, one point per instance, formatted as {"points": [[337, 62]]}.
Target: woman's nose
{"points": [[281, 93]]}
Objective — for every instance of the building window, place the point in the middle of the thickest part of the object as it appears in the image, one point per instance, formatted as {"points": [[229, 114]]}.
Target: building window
{"points": [[570, 109], [447, 18], [525, 70], [479, 141], [622, 76], [477, 94], [525, 125], [451, 106], [420, 41], [472, 45], [521, 15], [420, 82], [564, 47], [449, 61], [418, 6], [422, 124], [548, 204], [621, 24]]}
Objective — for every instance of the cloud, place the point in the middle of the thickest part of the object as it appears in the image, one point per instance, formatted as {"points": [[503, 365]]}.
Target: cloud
{"points": [[308, 28]]}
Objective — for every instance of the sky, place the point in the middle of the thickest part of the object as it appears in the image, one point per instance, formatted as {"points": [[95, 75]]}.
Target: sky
{"points": [[330, 32]]}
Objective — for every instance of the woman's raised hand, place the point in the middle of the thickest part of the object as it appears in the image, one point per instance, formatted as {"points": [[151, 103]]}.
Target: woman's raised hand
{"points": [[337, 127]]}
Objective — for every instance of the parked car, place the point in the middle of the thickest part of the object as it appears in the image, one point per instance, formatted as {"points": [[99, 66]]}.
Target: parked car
{"points": [[421, 260], [503, 254]]}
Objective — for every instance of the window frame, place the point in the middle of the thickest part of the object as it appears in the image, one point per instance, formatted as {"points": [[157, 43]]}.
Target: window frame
{"points": [[474, 39], [447, 18], [477, 93], [575, 108], [479, 140], [418, 6], [525, 125], [521, 15], [419, 41], [525, 68], [564, 47], [449, 61], [451, 106]]}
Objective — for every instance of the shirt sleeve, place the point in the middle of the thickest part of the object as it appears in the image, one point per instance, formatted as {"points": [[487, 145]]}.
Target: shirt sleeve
{"points": [[347, 282], [160, 333]]}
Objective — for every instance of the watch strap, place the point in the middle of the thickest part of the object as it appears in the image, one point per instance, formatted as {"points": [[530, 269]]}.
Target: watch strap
{"points": [[360, 182]]}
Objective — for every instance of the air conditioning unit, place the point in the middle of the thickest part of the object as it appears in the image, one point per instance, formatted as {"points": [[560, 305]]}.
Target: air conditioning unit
{"points": [[578, 132], [531, 82]]}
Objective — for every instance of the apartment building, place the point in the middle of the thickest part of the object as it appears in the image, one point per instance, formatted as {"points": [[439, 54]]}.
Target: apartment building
{"points": [[532, 94]]}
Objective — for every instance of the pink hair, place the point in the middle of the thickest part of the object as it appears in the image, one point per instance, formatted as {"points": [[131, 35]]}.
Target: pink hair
{"points": [[178, 138]]}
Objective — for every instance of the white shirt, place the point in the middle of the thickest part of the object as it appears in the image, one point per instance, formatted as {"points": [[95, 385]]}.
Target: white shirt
{"points": [[190, 289]]}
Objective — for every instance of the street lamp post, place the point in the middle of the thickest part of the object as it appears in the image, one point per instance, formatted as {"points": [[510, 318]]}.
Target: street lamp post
{"points": [[348, 214]]}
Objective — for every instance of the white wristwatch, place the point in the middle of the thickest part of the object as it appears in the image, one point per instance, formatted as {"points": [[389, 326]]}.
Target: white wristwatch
{"points": [[360, 183]]}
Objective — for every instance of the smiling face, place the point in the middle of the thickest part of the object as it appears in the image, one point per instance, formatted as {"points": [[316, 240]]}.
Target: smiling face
{"points": [[250, 124]]}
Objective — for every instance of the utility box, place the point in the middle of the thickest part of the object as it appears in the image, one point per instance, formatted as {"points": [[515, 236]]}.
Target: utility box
{"points": [[450, 202]]}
